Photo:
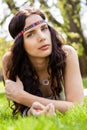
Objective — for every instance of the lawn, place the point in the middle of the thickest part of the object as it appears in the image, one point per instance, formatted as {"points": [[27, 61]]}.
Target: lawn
{"points": [[74, 119], [85, 82]]}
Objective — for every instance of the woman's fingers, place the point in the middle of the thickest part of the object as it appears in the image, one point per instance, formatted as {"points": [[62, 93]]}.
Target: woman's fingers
{"points": [[50, 110], [38, 109], [13, 89], [9, 86], [37, 105], [18, 81], [37, 112]]}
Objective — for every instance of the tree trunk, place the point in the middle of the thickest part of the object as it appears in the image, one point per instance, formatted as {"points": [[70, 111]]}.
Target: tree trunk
{"points": [[83, 65], [72, 24]]}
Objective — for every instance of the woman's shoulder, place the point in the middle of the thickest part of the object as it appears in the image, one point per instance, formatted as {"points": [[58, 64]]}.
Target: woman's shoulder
{"points": [[6, 56], [5, 61], [69, 51], [68, 48]]}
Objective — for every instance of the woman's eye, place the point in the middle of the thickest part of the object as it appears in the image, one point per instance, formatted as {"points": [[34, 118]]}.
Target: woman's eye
{"points": [[30, 34], [44, 28]]}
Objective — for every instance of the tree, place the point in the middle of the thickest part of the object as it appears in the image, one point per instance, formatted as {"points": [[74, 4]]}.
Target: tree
{"points": [[70, 11]]}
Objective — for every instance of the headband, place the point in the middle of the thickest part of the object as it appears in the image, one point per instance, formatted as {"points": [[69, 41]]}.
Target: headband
{"points": [[29, 27]]}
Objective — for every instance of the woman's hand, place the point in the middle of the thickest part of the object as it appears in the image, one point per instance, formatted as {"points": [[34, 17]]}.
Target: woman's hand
{"points": [[13, 89], [38, 109]]}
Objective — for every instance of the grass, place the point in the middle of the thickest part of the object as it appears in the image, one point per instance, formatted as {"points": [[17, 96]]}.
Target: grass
{"points": [[74, 119], [85, 82], [1, 87]]}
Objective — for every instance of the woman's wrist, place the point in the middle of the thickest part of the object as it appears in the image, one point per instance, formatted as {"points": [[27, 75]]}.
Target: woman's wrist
{"points": [[20, 97]]}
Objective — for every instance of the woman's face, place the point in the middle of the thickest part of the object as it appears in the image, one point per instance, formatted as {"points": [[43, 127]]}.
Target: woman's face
{"points": [[37, 40]]}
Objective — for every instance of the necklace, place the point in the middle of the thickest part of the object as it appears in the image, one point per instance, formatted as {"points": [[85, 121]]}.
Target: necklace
{"points": [[45, 82]]}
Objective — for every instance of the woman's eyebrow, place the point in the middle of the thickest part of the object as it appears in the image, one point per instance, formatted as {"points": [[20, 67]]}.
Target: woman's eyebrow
{"points": [[33, 30], [29, 31], [43, 25]]}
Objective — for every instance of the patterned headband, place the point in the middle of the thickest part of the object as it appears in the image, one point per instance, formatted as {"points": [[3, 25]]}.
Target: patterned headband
{"points": [[29, 27]]}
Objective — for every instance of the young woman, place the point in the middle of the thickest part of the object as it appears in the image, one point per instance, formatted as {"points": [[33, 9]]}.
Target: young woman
{"points": [[39, 69]]}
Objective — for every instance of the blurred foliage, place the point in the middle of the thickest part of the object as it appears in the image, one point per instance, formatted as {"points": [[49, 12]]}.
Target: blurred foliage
{"points": [[70, 10]]}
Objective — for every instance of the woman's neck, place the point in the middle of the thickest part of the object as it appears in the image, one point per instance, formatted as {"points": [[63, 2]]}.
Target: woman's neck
{"points": [[40, 64]]}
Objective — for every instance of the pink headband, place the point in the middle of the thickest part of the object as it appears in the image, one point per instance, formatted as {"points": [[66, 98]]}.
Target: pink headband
{"points": [[29, 27]]}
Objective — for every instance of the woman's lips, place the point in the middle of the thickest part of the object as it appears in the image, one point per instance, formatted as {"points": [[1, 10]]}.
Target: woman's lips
{"points": [[44, 47]]}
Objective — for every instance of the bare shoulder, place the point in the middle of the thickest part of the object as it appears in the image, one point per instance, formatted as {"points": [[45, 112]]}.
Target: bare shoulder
{"points": [[69, 51], [5, 61], [6, 57]]}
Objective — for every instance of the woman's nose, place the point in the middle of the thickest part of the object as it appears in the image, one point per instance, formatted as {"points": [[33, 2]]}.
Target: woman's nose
{"points": [[41, 36]]}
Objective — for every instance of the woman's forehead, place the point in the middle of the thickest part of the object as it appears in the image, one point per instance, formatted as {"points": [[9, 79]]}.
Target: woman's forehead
{"points": [[32, 19], [32, 22]]}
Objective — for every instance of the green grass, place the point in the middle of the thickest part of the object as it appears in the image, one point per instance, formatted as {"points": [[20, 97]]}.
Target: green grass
{"points": [[1, 87], [74, 119], [85, 82]]}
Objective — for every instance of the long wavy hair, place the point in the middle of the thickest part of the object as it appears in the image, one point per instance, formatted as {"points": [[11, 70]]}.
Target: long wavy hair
{"points": [[20, 65]]}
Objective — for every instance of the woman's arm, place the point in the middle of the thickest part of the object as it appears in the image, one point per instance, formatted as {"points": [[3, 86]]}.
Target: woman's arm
{"points": [[15, 92], [73, 81], [73, 86]]}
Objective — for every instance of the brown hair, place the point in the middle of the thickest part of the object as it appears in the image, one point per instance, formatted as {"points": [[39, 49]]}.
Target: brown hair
{"points": [[21, 66]]}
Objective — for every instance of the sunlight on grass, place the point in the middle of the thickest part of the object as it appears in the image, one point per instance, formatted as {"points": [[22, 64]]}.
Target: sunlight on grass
{"points": [[2, 87], [85, 82], [73, 119]]}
